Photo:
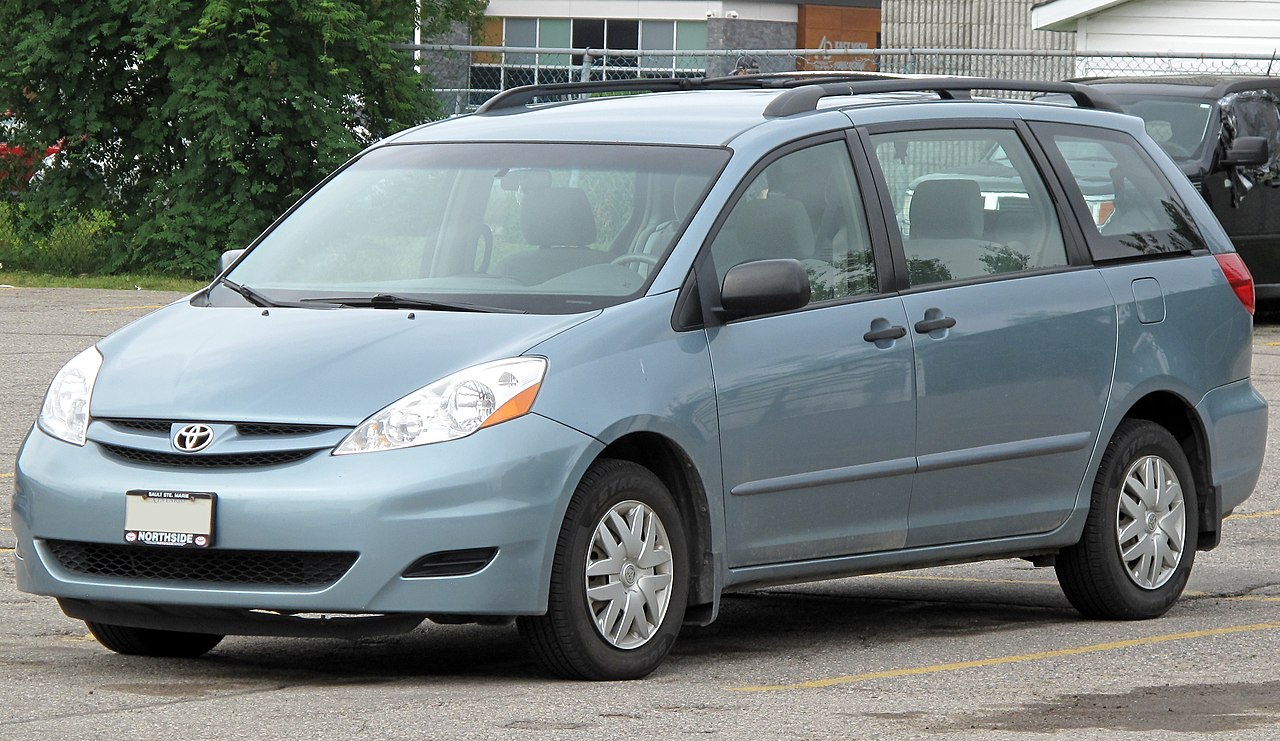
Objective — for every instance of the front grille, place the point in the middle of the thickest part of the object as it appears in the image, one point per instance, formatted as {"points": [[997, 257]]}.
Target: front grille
{"points": [[269, 568], [252, 428], [243, 428], [143, 425], [222, 460]]}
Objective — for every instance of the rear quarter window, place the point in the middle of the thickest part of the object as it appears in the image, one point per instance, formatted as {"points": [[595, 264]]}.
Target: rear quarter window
{"points": [[1125, 205]]}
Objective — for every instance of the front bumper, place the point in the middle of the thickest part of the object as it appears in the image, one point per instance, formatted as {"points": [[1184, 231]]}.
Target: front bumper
{"points": [[506, 487]]}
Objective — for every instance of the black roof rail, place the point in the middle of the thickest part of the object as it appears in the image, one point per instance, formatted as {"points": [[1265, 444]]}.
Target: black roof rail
{"points": [[520, 96], [802, 99], [803, 90]]}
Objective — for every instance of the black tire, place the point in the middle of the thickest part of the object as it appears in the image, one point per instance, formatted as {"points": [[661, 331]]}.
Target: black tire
{"points": [[566, 640], [152, 642], [1093, 573]]}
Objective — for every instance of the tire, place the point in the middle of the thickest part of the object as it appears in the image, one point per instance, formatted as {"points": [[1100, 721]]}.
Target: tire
{"points": [[620, 621], [152, 642], [1138, 546]]}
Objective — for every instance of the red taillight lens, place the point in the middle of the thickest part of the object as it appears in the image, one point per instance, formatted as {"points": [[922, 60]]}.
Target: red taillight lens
{"points": [[1239, 278]]}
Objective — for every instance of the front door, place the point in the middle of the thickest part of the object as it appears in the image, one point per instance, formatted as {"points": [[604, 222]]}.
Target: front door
{"points": [[816, 406]]}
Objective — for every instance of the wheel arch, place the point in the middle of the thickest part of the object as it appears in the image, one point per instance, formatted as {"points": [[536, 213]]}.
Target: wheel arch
{"points": [[1175, 414], [670, 463]]}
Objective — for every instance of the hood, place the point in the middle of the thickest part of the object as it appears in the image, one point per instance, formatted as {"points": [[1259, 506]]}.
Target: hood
{"points": [[307, 366]]}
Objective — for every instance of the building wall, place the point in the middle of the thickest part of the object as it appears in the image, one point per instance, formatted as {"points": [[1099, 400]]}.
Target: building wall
{"points": [[965, 24], [737, 33], [1210, 26]]}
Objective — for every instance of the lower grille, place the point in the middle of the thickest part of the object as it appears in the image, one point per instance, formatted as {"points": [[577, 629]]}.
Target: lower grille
{"points": [[262, 568], [225, 460]]}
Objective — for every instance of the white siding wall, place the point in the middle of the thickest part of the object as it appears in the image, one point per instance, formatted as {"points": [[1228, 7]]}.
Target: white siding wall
{"points": [[1211, 26], [965, 24]]}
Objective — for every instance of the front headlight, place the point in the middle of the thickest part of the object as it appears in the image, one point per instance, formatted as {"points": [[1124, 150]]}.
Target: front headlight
{"points": [[65, 413], [453, 407]]}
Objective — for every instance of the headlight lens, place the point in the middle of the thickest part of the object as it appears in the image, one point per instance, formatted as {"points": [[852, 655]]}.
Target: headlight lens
{"points": [[65, 413], [453, 407]]}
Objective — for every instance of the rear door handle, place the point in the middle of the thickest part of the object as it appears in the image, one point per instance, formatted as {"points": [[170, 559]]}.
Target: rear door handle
{"points": [[925, 326], [887, 333]]}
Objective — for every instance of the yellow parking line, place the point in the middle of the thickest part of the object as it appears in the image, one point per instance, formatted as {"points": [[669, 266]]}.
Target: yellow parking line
{"points": [[1252, 598], [6, 550], [1000, 660], [123, 308], [6, 475], [1253, 515]]}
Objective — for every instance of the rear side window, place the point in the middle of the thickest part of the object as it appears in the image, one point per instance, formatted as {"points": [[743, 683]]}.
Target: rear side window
{"points": [[969, 203], [1124, 203]]}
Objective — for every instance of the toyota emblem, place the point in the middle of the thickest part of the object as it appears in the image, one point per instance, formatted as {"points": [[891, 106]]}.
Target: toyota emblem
{"points": [[193, 438]]}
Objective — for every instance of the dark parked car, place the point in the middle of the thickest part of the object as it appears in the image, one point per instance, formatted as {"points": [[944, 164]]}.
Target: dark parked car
{"points": [[1224, 133]]}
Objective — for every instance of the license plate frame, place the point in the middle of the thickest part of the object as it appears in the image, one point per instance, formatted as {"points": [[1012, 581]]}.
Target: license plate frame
{"points": [[169, 518]]}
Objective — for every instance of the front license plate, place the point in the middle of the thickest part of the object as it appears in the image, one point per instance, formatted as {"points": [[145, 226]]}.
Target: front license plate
{"points": [[181, 519]]}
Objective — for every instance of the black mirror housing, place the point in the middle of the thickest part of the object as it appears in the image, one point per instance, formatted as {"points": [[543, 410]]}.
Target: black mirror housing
{"points": [[1247, 151], [764, 287]]}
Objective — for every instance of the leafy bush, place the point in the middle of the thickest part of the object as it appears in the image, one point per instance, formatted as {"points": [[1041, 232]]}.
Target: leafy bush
{"points": [[197, 122], [71, 244]]}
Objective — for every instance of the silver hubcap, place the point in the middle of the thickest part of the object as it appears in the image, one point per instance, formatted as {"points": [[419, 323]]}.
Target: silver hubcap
{"points": [[1151, 522], [629, 572]]}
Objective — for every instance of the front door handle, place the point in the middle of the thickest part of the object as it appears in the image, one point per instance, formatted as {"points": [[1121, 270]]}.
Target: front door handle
{"points": [[925, 326], [888, 333]]}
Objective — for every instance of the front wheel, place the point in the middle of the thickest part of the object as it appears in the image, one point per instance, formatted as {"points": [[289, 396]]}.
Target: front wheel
{"points": [[152, 642], [619, 581], [1139, 541]]}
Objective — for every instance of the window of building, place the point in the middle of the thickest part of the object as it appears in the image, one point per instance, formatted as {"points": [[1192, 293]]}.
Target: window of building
{"points": [[656, 40]]}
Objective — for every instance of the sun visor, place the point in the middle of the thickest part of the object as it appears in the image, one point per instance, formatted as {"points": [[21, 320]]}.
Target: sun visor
{"points": [[1252, 113]]}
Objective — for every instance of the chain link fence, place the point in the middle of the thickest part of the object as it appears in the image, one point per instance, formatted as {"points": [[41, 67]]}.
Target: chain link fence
{"points": [[466, 76]]}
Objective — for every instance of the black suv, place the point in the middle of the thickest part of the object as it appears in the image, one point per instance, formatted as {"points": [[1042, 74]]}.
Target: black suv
{"points": [[1224, 133]]}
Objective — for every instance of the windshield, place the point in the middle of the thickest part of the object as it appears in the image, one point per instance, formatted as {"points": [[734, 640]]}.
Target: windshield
{"points": [[1178, 125], [543, 228]]}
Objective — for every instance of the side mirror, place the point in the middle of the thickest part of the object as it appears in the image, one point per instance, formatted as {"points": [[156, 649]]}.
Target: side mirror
{"points": [[1247, 151], [764, 287], [226, 258]]}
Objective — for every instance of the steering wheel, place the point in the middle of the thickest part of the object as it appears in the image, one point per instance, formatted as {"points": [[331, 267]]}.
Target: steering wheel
{"points": [[639, 257]]}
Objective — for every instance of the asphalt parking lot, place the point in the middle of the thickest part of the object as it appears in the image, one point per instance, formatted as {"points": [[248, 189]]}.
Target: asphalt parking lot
{"points": [[988, 650]]}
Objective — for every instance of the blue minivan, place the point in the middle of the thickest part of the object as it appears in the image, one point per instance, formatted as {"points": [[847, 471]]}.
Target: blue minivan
{"points": [[590, 362]]}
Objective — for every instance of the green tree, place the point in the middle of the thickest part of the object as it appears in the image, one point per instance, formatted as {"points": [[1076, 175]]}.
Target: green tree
{"points": [[195, 122]]}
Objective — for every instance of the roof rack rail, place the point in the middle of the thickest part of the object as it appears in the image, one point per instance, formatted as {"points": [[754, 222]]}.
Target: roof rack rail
{"points": [[803, 90], [802, 99], [520, 96]]}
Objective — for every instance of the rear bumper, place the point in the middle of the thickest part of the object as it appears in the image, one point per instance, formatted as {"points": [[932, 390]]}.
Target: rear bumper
{"points": [[1235, 420]]}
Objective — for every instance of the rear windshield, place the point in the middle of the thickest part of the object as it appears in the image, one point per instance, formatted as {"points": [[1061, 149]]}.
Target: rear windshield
{"points": [[542, 228], [1178, 125]]}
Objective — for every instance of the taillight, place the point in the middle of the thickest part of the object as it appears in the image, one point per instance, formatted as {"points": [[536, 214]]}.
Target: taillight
{"points": [[1239, 278]]}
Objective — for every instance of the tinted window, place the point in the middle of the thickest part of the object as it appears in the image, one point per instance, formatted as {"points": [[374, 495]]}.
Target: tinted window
{"points": [[803, 206], [1125, 204], [1178, 125], [969, 203]]}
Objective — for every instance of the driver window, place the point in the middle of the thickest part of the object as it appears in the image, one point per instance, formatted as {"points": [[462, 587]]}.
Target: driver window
{"points": [[804, 206]]}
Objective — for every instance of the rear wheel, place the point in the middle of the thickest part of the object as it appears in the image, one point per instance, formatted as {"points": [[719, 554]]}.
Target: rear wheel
{"points": [[619, 581], [1139, 541], [152, 642]]}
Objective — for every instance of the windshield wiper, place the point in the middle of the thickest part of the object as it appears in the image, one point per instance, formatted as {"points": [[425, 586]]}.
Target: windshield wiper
{"points": [[250, 295], [391, 301]]}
